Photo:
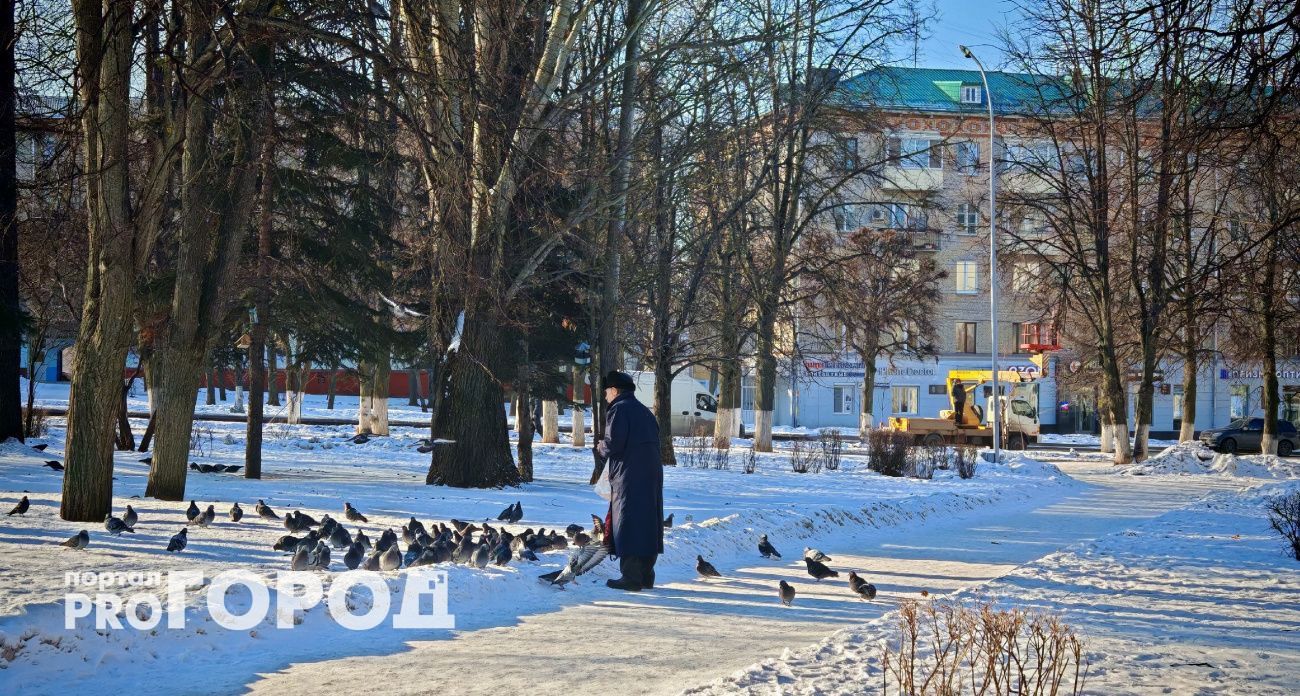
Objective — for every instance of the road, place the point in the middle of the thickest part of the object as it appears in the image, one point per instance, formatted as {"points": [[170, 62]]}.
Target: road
{"points": [[685, 634]]}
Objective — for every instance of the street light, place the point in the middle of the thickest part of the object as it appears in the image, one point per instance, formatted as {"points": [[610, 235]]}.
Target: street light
{"points": [[995, 417]]}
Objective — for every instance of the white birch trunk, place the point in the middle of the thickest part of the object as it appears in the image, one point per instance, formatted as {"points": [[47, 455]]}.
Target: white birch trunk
{"points": [[550, 422], [520, 412], [293, 399], [763, 431], [378, 416], [239, 399], [726, 427], [1123, 448], [1107, 438]]}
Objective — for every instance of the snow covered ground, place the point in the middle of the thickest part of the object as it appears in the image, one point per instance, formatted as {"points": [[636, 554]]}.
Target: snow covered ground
{"points": [[1201, 600], [719, 514]]}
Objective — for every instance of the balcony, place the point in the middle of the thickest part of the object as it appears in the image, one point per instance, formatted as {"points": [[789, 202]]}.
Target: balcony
{"points": [[908, 179], [926, 239]]}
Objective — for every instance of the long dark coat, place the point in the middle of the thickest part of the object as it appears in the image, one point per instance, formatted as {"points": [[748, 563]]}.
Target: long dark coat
{"points": [[636, 478]]}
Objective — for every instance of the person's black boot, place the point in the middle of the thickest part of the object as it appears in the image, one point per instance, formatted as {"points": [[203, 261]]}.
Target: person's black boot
{"points": [[648, 573], [630, 566]]}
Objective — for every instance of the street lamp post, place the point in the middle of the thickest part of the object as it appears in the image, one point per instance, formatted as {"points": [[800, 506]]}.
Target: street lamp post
{"points": [[995, 417]]}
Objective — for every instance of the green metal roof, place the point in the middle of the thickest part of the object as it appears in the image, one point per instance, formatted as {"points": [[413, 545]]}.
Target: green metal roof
{"points": [[939, 90]]}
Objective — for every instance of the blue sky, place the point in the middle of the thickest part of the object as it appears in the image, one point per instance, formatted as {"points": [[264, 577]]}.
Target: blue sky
{"points": [[970, 22]]}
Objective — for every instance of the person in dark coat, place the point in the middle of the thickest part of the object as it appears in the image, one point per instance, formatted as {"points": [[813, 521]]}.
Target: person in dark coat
{"points": [[636, 479], [958, 401]]}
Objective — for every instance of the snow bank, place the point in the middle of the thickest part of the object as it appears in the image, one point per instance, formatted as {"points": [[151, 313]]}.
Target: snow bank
{"points": [[1194, 458]]}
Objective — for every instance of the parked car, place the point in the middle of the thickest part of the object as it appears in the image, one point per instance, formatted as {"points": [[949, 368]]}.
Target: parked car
{"points": [[1244, 434]]}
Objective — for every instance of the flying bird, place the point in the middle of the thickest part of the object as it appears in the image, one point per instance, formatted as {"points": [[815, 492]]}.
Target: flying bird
{"points": [[766, 548], [786, 593], [861, 587], [178, 541], [580, 562], [819, 570], [77, 541], [22, 507], [705, 568]]}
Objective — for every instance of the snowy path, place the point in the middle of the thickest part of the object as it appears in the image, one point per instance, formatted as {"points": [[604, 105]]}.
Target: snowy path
{"points": [[691, 632]]}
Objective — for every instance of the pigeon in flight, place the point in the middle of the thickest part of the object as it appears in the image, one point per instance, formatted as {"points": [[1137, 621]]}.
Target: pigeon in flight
{"points": [[178, 541], [766, 548], [352, 515], [787, 593], [580, 562], [236, 512], [116, 526], [77, 541], [861, 587], [819, 570], [705, 568], [264, 511], [22, 507], [816, 555]]}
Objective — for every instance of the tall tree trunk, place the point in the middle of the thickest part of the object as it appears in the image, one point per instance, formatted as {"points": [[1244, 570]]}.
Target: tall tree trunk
{"points": [[1270, 397], [257, 344], [379, 394], [523, 419], [868, 396], [104, 63], [331, 386], [765, 389], [550, 422], [1191, 366], [272, 374], [579, 428], [478, 455], [365, 386], [211, 386], [412, 386], [11, 417], [125, 438], [663, 408], [219, 376], [729, 395]]}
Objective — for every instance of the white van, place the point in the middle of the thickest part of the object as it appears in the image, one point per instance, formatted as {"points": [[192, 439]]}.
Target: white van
{"points": [[694, 408]]}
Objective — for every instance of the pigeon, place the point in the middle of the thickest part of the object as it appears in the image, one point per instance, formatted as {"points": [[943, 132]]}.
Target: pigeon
{"points": [[668, 521], [178, 541], [416, 526], [705, 568], [308, 520], [766, 548], [371, 562], [194, 467], [408, 536], [388, 538], [327, 525], [787, 593], [40, 448], [293, 524], [54, 464], [22, 507], [209, 515], [147, 460], [360, 439], [353, 557], [232, 468], [201, 519], [116, 526], [424, 449], [320, 558], [816, 555], [308, 543], [518, 514], [301, 559], [208, 468], [390, 559], [480, 557], [350, 513], [364, 540], [507, 513], [572, 530], [500, 554], [236, 512], [580, 562], [286, 543], [339, 538], [77, 541], [412, 552], [129, 518], [819, 570], [863, 588], [264, 511], [582, 539], [191, 512]]}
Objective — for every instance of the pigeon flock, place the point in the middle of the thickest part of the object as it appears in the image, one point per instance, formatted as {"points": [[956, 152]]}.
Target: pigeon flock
{"points": [[814, 560]]}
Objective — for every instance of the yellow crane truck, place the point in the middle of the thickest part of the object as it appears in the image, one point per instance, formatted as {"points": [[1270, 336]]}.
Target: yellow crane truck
{"points": [[972, 426]]}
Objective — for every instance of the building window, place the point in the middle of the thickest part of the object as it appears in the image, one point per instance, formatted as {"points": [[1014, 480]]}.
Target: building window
{"points": [[1024, 276], [1027, 334], [846, 218], [747, 391], [938, 390], [966, 335], [916, 153], [966, 277], [846, 154], [903, 400], [843, 396], [968, 157], [899, 216], [971, 94], [1240, 401], [968, 218]]}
